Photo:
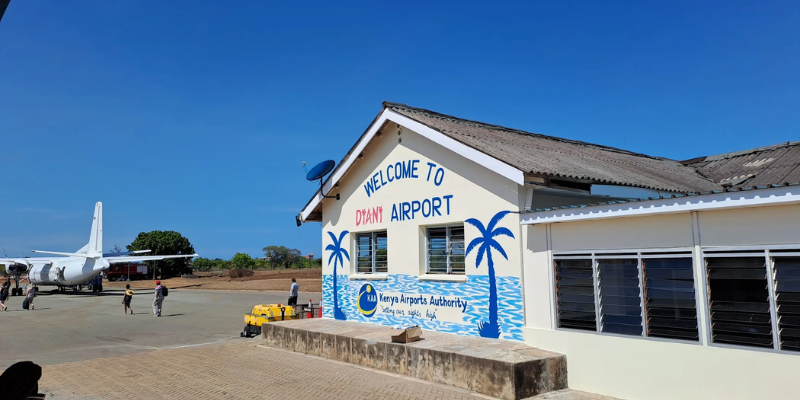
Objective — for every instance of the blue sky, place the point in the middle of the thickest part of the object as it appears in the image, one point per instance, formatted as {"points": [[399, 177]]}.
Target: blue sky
{"points": [[196, 116]]}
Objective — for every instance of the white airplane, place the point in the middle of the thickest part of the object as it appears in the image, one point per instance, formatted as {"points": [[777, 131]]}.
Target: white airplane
{"points": [[74, 268]]}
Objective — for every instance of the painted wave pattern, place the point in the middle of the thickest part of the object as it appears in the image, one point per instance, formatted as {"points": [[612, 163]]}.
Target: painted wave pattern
{"points": [[475, 291]]}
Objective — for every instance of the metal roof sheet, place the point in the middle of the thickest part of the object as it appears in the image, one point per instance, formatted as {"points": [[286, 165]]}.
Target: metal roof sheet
{"points": [[774, 164], [674, 196], [555, 157]]}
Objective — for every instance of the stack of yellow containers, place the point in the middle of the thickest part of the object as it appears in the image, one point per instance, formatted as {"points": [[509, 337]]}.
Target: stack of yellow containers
{"points": [[264, 313]]}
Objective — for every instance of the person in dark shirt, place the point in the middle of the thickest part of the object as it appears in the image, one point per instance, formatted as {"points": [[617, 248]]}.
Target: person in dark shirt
{"points": [[20, 381], [4, 295]]}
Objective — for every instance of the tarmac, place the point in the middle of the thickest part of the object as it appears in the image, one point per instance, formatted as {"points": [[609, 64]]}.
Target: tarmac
{"points": [[89, 349], [69, 327]]}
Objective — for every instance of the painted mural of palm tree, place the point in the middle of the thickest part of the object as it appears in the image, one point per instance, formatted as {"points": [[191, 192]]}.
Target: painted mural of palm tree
{"points": [[485, 243], [338, 254]]}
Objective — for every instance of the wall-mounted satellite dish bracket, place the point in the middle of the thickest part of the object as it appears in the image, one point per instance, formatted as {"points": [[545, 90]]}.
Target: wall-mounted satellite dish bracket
{"points": [[318, 173]]}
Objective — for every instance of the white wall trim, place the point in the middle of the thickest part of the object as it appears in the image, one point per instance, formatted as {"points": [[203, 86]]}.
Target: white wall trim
{"points": [[443, 278], [369, 277], [344, 166], [453, 145], [459, 148], [717, 201]]}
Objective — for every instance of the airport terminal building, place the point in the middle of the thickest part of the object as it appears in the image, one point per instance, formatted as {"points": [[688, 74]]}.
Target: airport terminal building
{"points": [[658, 279]]}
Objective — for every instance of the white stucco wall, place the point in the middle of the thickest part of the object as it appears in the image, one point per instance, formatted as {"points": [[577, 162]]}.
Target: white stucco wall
{"points": [[656, 369], [751, 226], [463, 189]]}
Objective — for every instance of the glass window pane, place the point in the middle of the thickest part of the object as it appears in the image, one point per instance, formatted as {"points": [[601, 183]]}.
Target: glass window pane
{"points": [[381, 252], [457, 251], [437, 250], [670, 298], [575, 294], [620, 300], [787, 301], [364, 253], [739, 301], [445, 250], [371, 252]]}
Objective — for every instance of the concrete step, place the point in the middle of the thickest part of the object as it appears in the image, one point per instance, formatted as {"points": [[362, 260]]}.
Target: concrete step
{"points": [[569, 394], [499, 368]]}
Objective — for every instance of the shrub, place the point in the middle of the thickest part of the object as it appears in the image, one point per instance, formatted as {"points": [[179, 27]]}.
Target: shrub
{"points": [[239, 273]]}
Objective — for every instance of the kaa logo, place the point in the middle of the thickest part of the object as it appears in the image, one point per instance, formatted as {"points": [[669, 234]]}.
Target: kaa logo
{"points": [[367, 301]]}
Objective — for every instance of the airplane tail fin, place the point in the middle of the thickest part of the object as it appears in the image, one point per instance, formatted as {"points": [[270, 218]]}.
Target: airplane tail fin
{"points": [[95, 244]]}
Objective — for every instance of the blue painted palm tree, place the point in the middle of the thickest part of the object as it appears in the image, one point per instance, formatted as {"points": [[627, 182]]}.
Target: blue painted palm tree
{"points": [[485, 243], [337, 256]]}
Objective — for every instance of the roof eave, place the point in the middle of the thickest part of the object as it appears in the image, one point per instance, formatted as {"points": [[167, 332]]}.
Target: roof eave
{"points": [[386, 115], [735, 198]]}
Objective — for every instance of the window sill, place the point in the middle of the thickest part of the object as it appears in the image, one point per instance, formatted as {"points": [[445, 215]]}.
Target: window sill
{"points": [[369, 277], [442, 277]]}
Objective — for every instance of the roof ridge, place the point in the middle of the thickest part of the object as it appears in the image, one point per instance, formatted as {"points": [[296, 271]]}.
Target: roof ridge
{"points": [[739, 153], [434, 114]]}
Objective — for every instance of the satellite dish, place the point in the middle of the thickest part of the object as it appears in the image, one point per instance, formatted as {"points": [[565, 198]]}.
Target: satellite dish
{"points": [[318, 173], [320, 170]]}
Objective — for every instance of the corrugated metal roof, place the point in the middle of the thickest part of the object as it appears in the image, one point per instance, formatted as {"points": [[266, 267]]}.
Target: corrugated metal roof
{"points": [[774, 164], [675, 196], [549, 156]]}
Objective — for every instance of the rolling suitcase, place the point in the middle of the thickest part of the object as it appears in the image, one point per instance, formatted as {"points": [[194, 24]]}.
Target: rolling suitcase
{"points": [[25, 303]]}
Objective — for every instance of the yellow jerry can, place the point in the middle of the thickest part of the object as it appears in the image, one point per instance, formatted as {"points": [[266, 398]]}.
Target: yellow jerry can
{"points": [[264, 313]]}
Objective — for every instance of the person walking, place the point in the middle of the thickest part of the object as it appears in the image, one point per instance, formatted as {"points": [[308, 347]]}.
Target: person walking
{"points": [[32, 291], [4, 295], [126, 299], [293, 293], [159, 298]]}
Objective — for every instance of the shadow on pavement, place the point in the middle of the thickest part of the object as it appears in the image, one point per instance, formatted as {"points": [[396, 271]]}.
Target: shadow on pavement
{"points": [[82, 294]]}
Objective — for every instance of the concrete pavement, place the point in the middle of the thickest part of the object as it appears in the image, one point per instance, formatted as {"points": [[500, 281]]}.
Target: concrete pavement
{"points": [[82, 326], [236, 370], [90, 350]]}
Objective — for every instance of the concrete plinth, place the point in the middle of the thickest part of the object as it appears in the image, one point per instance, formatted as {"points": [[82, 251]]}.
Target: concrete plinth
{"points": [[499, 368]]}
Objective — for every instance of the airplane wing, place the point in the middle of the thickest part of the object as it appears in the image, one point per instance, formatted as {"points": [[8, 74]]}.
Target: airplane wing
{"points": [[13, 264], [26, 261], [128, 259], [58, 253], [125, 253]]}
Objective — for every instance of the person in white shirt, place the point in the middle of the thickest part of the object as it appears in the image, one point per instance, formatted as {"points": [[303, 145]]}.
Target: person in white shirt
{"points": [[158, 300], [293, 293]]}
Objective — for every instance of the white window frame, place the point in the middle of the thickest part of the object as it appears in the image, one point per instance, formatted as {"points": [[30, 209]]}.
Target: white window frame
{"points": [[769, 253], [373, 252], [639, 255], [447, 246], [702, 299]]}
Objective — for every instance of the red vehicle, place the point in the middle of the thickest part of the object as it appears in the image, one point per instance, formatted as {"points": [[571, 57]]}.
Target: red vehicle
{"points": [[124, 271]]}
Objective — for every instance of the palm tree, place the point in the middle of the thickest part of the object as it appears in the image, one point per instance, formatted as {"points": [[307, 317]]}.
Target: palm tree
{"points": [[487, 242], [336, 256]]}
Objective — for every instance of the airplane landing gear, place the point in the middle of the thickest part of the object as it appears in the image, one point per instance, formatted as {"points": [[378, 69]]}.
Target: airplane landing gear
{"points": [[16, 290]]}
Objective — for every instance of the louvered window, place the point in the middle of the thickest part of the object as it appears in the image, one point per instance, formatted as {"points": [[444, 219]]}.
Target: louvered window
{"points": [[445, 248], [575, 294], [787, 301], [620, 296], [604, 292], [670, 303], [739, 301], [371, 251]]}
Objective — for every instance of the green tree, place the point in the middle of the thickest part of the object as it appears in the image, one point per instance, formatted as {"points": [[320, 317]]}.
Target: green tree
{"points": [[242, 261], [115, 249], [164, 243], [205, 264], [280, 256]]}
